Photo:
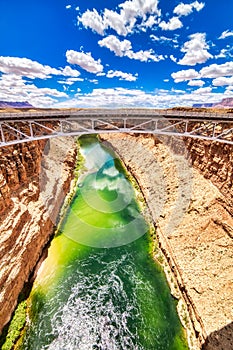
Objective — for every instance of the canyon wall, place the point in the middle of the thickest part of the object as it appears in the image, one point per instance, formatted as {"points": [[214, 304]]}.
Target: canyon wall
{"points": [[193, 222], [190, 207], [215, 162], [34, 179]]}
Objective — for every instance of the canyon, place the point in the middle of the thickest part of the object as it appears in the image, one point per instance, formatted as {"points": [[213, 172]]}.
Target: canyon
{"points": [[34, 180], [187, 185]]}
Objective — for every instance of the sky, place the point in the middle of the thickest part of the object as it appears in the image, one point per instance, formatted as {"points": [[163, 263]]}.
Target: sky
{"points": [[133, 53]]}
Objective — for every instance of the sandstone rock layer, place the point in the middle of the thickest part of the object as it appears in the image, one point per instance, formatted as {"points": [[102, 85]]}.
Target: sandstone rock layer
{"points": [[194, 222], [34, 179]]}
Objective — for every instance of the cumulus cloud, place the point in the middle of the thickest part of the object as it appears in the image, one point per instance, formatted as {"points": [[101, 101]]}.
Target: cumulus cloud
{"points": [[32, 69], [116, 22], [120, 48], [148, 23], [14, 88], [69, 72], [217, 70], [91, 19], [84, 60], [222, 81], [26, 67], [195, 50], [201, 91], [121, 75], [196, 82], [186, 9], [173, 24], [124, 20], [226, 34], [120, 97], [68, 7], [222, 75], [124, 48], [184, 75]]}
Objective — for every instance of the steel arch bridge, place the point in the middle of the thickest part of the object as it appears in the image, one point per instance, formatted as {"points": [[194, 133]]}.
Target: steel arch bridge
{"points": [[36, 125]]}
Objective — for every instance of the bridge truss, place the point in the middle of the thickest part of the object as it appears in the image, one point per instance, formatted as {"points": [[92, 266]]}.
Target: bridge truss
{"points": [[24, 127]]}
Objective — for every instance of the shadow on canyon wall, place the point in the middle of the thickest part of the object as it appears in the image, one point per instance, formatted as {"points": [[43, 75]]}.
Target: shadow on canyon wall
{"points": [[220, 340]]}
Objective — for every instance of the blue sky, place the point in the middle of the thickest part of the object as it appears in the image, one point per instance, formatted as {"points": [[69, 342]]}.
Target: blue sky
{"points": [[133, 53]]}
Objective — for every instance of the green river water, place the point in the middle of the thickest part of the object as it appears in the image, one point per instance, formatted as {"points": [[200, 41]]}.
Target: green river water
{"points": [[99, 287]]}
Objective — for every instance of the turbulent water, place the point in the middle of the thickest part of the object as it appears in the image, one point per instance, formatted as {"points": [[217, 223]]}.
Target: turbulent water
{"points": [[99, 288]]}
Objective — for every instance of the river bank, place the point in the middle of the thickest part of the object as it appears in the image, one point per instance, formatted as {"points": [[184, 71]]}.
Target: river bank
{"points": [[193, 228]]}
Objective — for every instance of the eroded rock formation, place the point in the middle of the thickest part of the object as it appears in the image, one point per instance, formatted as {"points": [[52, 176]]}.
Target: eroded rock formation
{"points": [[194, 222], [34, 179]]}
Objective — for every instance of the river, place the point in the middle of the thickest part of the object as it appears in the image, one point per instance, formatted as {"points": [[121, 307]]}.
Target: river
{"points": [[99, 287]]}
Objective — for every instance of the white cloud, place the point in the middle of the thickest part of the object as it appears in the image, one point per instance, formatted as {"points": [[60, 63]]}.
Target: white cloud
{"points": [[92, 20], [94, 81], [222, 54], [174, 59], [120, 48], [223, 81], [144, 56], [68, 71], [148, 23], [84, 60], [25, 67], [68, 7], [162, 38], [201, 91], [184, 75], [195, 50], [173, 24], [124, 48], [120, 97], [70, 81], [217, 70], [124, 20], [185, 9], [226, 34], [196, 82], [198, 5], [222, 75], [134, 8], [15, 88], [117, 22], [229, 89], [121, 75]]}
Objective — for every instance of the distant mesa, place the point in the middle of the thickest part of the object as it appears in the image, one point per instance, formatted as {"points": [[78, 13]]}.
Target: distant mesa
{"points": [[25, 104], [225, 103]]}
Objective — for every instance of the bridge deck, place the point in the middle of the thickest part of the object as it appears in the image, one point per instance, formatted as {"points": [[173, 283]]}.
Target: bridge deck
{"points": [[106, 113], [27, 126]]}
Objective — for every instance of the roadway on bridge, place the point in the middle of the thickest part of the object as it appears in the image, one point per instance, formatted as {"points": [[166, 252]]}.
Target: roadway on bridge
{"points": [[116, 113]]}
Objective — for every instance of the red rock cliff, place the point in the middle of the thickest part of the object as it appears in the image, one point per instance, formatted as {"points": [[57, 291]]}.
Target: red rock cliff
{"points": [[34, 179]]}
